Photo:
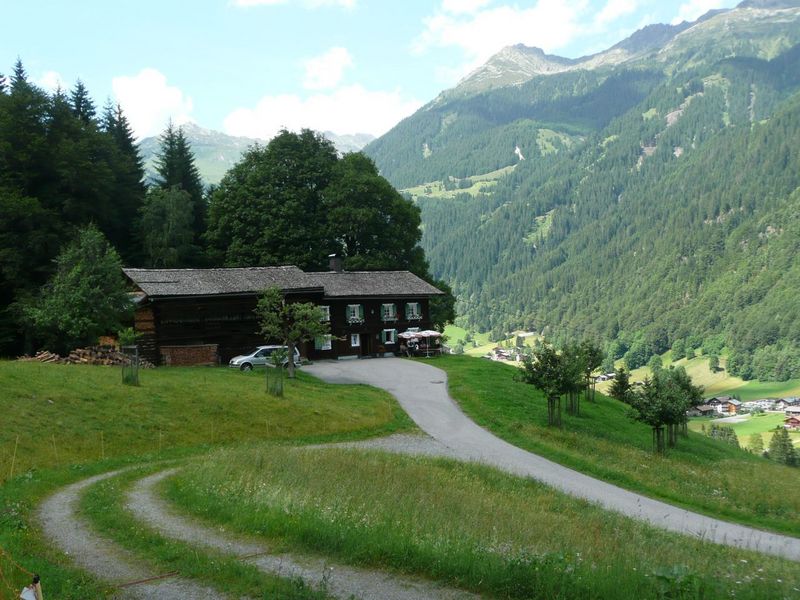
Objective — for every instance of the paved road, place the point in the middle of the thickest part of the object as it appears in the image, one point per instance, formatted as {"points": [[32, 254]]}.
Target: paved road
{"points": [[421, 390]]}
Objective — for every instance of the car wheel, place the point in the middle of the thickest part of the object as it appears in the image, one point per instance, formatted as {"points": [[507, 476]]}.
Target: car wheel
{"points": [[246, 367]]}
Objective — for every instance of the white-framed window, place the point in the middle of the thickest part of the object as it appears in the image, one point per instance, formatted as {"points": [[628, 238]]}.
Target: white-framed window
{"points": [[389, 336], [355, 313], [389, 312], [355, 340], [413, 311], [323, 342], [326, 312]]}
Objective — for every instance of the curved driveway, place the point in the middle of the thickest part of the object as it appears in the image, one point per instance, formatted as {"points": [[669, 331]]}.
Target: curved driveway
{"points": [[421, 390]]}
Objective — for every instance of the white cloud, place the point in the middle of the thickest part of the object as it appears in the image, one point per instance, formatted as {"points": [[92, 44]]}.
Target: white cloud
{"points": [[691, 10], [50, 81], [549, 24], [457, 7], [326, 71], [615, 9], [347, 110], [148, 101], [349, 4]]}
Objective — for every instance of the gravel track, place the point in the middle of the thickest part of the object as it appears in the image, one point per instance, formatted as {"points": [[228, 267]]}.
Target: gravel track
{"points": [[105, 560], [340, 581], [421, 390]]}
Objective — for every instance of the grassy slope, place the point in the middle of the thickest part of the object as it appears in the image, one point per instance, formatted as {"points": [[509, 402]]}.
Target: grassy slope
{"points": [[103, 505], [700, 474], [480, 184], [471, 526], [456, 334], [190, 408], [764, 424], [721, 382], [65, 414]]}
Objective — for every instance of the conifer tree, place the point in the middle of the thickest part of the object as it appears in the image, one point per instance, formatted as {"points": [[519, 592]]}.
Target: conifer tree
{"points": [[756, 444], [781, 449], [82, 105], [175, 167]]}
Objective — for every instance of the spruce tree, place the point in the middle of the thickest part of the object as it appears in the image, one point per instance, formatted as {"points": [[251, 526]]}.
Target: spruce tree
{"points": [[175, 167], [129, 180], [781, 449], [82, 106]]}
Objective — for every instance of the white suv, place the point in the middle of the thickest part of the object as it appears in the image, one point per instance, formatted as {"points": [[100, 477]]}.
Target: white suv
{"points": [[261, 357]]}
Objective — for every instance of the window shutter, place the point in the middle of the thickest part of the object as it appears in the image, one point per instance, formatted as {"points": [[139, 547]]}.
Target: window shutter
{"points": [[383, 336], [361, 311], [408, 310]]}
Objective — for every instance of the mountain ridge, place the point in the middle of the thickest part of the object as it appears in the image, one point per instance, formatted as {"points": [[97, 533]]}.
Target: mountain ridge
{"points": [[216, 152], [657, 202]]}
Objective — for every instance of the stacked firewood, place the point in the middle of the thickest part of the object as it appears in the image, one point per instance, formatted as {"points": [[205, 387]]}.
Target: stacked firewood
{"points": [[94, 355]]}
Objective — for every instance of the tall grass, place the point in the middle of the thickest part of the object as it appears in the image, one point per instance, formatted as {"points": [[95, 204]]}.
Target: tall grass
{"points": [[56, 415], [467, 525], [103, 505], [701, 474]]}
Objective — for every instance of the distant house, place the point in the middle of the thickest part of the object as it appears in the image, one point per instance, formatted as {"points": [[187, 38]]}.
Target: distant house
{"points": [[793, 411], [792, 423], [213, 308], [723, 404], [701, 411]]}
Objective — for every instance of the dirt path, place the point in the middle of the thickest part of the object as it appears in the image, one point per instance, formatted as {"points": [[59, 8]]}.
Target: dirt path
{"points": [[104, 559], [421, 390], [340, 581]]}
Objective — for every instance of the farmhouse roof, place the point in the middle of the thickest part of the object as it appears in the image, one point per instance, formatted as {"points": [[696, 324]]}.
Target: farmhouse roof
{"points": [[252, 280], [212, 282], [345, 284]]}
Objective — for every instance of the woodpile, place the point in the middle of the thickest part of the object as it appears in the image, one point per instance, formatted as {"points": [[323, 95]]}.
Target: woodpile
{"points": [[95, 355]]}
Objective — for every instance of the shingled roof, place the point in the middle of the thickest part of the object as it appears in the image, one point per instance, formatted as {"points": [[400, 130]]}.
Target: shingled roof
{"points": [[252, 280], [346, 284], [212, 282]]}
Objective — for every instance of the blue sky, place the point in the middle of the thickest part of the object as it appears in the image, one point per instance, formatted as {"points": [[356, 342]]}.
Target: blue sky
{"points": [[248, 67]]}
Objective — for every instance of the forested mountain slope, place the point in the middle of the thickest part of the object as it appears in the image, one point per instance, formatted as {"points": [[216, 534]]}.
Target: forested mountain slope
{"points": [[673, 215]]}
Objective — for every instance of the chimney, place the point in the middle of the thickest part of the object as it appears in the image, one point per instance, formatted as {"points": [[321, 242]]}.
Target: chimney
{"points": [[335, 263]]}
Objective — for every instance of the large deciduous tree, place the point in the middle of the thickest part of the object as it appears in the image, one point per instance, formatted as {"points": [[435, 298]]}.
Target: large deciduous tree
{"points": [[85, 298], [373, 226], [289, 322], [269, 210], [294, 201]]}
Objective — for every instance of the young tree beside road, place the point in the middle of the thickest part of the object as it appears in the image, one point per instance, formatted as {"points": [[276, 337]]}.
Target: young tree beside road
{"points": [[290, 322]]}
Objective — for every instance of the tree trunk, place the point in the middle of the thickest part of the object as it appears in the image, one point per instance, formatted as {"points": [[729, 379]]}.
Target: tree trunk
{"points": [[672, 435], [558, 412], [658, 439], [290, 366]]}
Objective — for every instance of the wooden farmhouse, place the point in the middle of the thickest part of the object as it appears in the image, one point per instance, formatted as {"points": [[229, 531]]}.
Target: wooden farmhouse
{"points": [[205, 316]]}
